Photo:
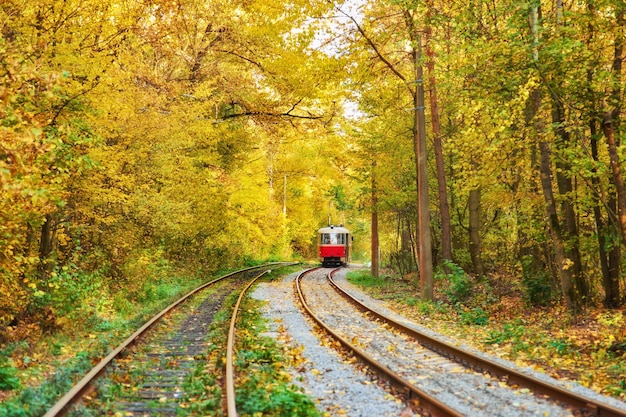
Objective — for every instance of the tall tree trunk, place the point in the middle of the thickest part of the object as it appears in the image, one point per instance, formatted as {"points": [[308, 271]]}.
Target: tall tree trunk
{"points": [[611, 121], [618, 179], [444, 208], [419, 146], [474, 231], [419, 143], [564, 182], [562, 262], [608, 248], [565, 186], [609, 260], [375, 242], [46, 246]]}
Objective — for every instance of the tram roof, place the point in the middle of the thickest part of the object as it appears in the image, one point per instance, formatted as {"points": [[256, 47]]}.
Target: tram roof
{"points": [[333, 229]]}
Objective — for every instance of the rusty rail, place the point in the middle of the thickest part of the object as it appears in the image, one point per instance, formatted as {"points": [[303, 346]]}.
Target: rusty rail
{"points": [[61, 407], [584, 405], [427, 403], [230, 348]]}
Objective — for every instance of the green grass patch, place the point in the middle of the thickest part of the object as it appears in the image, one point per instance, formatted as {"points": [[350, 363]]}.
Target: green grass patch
{"points": [[363, 278], [264, 386], [35, 401]]}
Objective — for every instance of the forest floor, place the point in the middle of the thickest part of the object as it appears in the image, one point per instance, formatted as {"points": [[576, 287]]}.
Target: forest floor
{"points": [[492, 316]]}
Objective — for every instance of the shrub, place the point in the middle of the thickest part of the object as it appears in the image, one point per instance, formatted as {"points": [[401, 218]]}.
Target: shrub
{"points": [[476, 316], [536, 284], [8, 376], [460, 283]]}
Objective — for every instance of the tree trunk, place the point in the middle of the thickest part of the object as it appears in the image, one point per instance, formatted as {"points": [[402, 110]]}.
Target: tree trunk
{"points": [[419, 147], [375, 243], [608, 248], [609, 260], [444, 208], [565, 186], [562, 262], [419, 143], [564, 182], [46, 246], [474, 231], [611, 120]]}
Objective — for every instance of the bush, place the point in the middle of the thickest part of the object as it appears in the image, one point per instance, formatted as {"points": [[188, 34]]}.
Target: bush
{"points": [[460, 283], [536, 284], [476, 316], [8, 376]]}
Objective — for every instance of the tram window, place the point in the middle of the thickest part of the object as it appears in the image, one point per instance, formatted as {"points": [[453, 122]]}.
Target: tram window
{"points": [[333, 239]]}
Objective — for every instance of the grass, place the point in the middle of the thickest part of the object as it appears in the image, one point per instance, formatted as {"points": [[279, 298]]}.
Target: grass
{"points": [[264, 386]]}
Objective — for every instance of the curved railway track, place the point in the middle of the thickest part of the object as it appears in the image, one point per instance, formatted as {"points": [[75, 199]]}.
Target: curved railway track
{"points": [[161, 384], [443, 357]]}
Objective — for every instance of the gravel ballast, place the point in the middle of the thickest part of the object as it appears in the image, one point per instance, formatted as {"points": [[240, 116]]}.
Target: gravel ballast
{"points": [[337, 387], [341, 389]]}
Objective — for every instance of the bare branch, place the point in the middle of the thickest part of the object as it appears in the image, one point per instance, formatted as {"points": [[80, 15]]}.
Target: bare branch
{"points": [[371, 43]]}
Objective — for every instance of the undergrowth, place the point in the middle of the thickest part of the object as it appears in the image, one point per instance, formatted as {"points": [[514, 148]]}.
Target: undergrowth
{"points": [[37, 371]]}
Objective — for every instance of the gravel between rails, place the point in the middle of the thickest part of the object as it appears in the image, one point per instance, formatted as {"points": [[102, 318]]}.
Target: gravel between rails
{"points": [[338, 388], [466, 391]]}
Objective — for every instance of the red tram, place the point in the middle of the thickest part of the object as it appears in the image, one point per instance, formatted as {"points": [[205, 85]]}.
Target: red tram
{"points": [[334, 245]]}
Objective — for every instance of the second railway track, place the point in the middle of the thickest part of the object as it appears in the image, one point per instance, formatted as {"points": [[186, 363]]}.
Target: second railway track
{"points": [[146, 374]]}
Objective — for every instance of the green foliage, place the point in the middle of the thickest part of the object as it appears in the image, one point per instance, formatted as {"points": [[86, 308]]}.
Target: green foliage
{"points": [[36, 401], [536, 284], [9, 379], [8, 376], [283, 400], [475, 316], [428, 308], [510, 333], [560, 345], [459, 283], [266, 388], [365, 279], [72, 293]]}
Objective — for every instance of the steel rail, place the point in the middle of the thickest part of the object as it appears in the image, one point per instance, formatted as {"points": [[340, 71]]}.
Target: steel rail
{"points": [[427, 402], [586, 405], [230, 348], [61, 407]]}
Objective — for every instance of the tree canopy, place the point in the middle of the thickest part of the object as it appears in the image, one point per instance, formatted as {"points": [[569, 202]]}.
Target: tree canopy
{"points": [[138, 137]]}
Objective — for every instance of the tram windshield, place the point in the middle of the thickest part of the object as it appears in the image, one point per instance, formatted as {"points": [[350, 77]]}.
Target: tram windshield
{"points": [[333, 238]]}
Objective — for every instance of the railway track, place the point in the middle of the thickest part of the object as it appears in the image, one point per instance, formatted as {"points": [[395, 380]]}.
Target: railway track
{"points": [[145, 374], [438, 372]]}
